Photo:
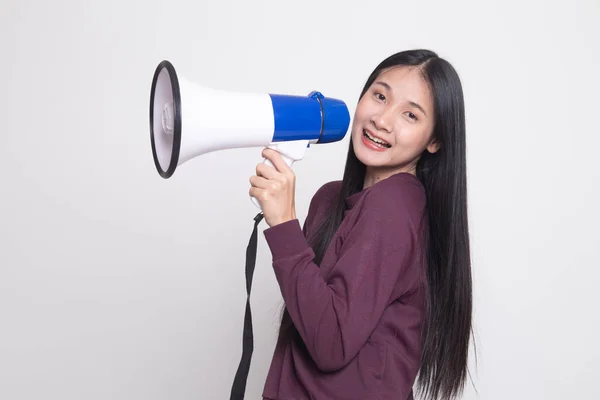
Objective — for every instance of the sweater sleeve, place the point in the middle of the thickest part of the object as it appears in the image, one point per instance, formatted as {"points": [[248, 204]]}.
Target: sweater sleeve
{"points": [[336, 317]]}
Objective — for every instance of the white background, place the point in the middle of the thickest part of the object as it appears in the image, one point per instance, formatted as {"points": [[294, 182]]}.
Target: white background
{"points": [[118, 284]]}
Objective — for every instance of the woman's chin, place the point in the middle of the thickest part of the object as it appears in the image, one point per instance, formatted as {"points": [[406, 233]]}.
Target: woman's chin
{"points": [[369, 158]]}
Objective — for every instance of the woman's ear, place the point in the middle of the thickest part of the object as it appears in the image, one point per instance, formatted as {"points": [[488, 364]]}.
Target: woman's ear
{"points": [[433, 146]]}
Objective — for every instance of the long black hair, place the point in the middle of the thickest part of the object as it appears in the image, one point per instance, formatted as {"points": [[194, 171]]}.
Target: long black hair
{"points": [[446, 338]]}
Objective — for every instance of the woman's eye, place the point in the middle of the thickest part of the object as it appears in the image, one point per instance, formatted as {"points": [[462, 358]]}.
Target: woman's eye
{"points": [[411, 116], [379, 96]]}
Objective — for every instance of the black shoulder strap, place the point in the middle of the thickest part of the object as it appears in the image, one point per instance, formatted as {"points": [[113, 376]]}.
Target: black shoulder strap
{"points": [[239, 383]]}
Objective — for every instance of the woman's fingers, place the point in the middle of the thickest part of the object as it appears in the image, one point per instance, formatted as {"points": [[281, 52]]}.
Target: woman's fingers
{"points": [[276, 159], [267, 171], [259, 182]]}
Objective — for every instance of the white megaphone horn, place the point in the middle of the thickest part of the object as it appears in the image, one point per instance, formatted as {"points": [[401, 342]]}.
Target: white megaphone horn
{"points": [[188, 120]]}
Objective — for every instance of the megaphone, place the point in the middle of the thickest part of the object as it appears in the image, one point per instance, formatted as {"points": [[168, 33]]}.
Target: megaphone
{"points": [[188, 120]]}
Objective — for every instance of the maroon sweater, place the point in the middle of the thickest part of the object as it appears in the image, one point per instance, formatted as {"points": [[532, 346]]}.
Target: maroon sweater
{"points": [[360, 313]]}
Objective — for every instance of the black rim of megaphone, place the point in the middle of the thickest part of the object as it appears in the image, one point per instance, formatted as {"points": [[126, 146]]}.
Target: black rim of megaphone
{"points": [[176, 110]]}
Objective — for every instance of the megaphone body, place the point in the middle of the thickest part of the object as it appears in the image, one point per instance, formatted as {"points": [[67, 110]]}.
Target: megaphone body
{"points": [[188, 120]]}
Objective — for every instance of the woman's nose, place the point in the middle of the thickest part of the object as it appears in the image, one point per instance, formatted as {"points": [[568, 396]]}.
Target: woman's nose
{"points": [[383, 121]]}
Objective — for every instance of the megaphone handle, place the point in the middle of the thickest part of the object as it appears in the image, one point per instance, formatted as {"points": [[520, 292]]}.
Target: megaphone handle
{"points": [[289, 163], [291, 152]]}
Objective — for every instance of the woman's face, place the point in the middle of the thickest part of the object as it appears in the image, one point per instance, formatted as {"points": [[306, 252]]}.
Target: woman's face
{"points": [[393, 123]]}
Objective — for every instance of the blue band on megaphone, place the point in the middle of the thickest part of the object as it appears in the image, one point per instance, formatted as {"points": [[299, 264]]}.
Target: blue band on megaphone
{"points": [[336, 120], [296, 118], [309, 117]]}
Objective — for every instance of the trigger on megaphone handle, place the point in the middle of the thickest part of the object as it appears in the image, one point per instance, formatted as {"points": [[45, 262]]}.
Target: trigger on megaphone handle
{"points": [[288, 159]]}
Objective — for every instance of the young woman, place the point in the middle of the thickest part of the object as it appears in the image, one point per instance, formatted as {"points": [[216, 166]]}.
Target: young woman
{"points": [[377, 283]]}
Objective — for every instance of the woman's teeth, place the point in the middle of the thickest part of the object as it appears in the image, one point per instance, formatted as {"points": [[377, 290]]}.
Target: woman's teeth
{"points": [[377, 142]]}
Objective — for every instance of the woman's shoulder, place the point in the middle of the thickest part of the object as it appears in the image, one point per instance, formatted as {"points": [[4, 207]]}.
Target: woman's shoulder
{"points": [[326, 195], [402, 191], [328, 192], [323, 199]]}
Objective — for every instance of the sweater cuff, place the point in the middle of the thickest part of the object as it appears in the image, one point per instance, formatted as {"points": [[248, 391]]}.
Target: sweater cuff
{"points": [[286, 239]]}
